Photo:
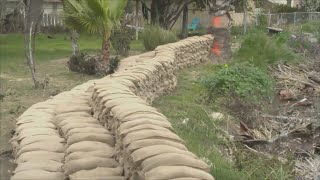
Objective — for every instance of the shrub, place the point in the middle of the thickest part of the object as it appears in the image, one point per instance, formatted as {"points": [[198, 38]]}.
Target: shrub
{"points": [[261, 50], [113, 64], [242, 80], [120, 38], [83, 63], [154, 36]]}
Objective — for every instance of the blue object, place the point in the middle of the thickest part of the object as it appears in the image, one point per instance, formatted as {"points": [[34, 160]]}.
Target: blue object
{"points": [[194, 24]]}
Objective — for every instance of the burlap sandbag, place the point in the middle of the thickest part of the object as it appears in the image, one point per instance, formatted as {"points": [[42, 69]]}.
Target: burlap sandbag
{"points": [[37, 138], [66, 128], [78, 119], [170, 172], [143, 121], [75, 108], [100, 130], [60, 117], [99, 178], [74, 166], [35, 125], [123, 111], [173, 159], [38, 175], [143, 127], [37, 131], [115, 102], [151, 142], [146, 152], [34, 113], [104, 138], [42, 146], [86, 146], [144, 116], [106, 153], [47, 165], [97, 173], [35, 119], [39, 156], [145, 134], [186, 178]]}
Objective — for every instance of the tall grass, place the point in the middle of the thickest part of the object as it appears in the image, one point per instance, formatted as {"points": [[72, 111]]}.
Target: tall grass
{"points": [[261, 50], [154, 36]]}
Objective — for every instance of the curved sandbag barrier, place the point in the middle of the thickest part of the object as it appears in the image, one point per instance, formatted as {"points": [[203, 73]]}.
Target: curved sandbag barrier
{"points": [[106, 129], [146, 146]]}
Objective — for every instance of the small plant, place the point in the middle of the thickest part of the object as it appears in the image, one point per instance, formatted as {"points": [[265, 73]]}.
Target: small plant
{"points": [[113, 64], [154, 36], [83, 63], [120, 38], [242, 80]]}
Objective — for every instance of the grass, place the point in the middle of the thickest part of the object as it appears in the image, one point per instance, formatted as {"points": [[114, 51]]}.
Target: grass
{"points": [[190, 118], [199, 132], [51, 59], [58, 47]]}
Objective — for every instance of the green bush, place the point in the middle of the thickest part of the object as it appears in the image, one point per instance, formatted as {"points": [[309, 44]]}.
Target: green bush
{"points": [[154, 36], [261, 50], [120, 38], [243, 80]]}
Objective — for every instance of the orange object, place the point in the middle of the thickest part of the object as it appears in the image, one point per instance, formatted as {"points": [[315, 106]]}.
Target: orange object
{"points": [[216, 21], [216, 49]]}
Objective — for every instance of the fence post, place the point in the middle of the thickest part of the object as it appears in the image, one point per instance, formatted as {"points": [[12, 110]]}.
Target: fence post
{"points": [[294, 18]]}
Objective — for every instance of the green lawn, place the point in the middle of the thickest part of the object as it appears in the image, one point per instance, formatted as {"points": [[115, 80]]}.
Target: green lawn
{"points": [[58, 47]]}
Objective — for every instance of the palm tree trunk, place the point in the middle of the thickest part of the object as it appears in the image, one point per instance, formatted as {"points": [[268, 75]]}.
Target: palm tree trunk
{"points": [[105, 52], [74, 41]]}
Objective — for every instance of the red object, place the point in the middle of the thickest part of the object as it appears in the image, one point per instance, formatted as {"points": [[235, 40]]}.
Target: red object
{"points": [[216, 21], [216, 49]]}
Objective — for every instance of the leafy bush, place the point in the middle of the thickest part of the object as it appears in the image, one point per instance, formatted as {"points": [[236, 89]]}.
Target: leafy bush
{"points": [[87, 64], [261, 50], [83, 63], [242, 80], [154, 36], [113, 64], [120, 38]]}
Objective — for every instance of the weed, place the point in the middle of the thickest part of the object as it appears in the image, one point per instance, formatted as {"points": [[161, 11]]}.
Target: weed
{"points": [[261, 50], [243, 80]]}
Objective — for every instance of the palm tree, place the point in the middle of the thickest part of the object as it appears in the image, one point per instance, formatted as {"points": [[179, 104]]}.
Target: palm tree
{"points": [[95, 16]]}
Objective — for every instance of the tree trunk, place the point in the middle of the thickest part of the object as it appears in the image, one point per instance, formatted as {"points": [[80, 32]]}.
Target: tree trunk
{"points": [[74, 41], [155, 12], [105, 53], [185, 22], [137, 19], [245, 16]]}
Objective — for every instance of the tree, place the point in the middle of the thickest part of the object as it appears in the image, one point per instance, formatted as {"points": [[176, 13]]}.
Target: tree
{"points": [[33, 13], [310, 5], [165, 13], [95, 16]]}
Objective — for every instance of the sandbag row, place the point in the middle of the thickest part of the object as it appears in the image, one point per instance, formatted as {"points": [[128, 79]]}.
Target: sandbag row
{"points": [[89, 145], [146, 146], [38, 147], [37, 144]]}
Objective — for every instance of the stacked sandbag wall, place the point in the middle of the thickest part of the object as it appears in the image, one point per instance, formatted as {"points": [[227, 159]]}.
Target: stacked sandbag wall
{"points": [[106, 128], [146, 145]]}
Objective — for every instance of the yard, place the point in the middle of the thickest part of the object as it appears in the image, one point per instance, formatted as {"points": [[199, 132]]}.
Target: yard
{"points": [[16, 86]]}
